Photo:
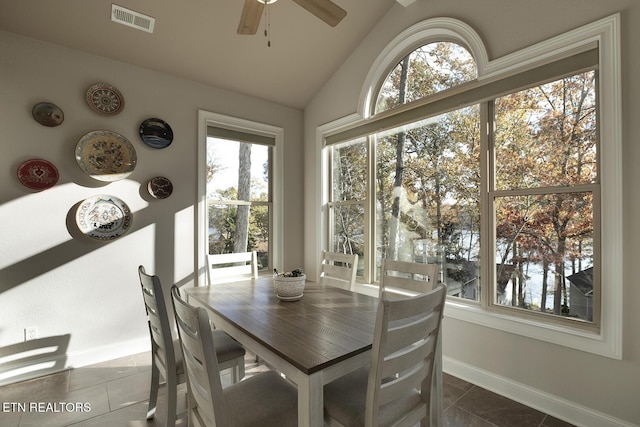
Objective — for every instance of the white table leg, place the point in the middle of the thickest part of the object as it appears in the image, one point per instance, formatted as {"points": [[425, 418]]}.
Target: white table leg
{"points": [[310, 401]]}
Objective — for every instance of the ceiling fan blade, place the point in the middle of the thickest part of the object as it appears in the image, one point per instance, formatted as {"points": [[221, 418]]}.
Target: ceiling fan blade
{"points": [[326, 10], [250, 18]]}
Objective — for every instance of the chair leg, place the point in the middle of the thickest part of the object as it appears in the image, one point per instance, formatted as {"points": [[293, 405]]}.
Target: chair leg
{"points": [[153, 395], [172, 399], [240, 368], [237, 372]]}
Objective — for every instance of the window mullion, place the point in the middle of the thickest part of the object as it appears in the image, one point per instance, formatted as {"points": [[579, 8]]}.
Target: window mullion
{"points": [[370, 212], [487, 221]]}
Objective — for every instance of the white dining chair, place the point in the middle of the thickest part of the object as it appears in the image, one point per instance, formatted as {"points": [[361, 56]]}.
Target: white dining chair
{"points": [[265, 399], [407, 278], [231, 267], [396, 389], [339, 270], [166, 354]]}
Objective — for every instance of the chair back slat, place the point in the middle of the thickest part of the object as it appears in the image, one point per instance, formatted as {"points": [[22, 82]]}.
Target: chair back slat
{"points": [[204, 388], [397, 362], [339, 270], [234, 266], [404, 352], [158, 320], [410, 334], [404, 384], [408, 278]]}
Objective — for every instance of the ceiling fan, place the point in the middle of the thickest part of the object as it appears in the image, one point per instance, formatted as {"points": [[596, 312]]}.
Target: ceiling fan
{"points": [[326, 10]]}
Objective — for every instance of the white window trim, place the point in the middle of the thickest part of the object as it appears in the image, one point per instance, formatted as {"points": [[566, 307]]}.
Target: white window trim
{"points": [[206, 119], [606, 32]]}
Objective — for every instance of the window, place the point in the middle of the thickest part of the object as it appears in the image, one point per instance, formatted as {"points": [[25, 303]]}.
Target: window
{"points": [[239, 188], [349, 200], [238, 195], [546, 181], [497, 173]]}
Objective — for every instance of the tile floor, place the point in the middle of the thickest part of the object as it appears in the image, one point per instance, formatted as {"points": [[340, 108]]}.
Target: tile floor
{"points": [[115, 393]]}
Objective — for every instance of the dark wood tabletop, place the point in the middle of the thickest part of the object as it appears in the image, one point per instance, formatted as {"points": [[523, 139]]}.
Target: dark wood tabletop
{"points": [[326, 326]]}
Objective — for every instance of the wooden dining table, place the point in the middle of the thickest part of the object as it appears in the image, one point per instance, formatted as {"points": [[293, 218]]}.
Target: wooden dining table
{"points": [[313, 341]]}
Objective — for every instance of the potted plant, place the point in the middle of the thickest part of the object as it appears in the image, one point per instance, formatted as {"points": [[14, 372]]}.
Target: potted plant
{"points": [[289, 286]]}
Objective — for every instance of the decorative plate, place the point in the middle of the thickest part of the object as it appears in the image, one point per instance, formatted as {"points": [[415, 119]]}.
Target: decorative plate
{"points": [[47, 114], [160, 187], [105, 99], [156, 133], [105, 155], [38, 174], [103, 217]]}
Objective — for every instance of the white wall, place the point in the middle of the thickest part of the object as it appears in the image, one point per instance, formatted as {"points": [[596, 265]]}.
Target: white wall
{"points": [[580, 387], [80, 287]]}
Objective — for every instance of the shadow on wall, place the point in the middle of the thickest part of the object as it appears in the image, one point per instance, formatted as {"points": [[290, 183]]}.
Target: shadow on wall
{"points": [[33, 358]]}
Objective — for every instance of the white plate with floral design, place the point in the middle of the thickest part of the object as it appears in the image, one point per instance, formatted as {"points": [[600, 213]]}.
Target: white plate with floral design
{"points": [[103, 217]]}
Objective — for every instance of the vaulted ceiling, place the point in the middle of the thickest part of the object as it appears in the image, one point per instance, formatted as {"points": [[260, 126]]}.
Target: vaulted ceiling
{"points": [[197, 40]]}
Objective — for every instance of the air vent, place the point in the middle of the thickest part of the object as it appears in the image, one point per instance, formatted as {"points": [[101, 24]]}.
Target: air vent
{"points": [[131, 18]]}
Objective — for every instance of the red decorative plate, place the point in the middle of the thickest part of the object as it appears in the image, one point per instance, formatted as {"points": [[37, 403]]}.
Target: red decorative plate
{"points": [[38, 174]]}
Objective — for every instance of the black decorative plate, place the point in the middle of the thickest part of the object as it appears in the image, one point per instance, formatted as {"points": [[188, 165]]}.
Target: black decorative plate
{"points": [[156, 133], [47, 114], [105, 99], [160, 187]]}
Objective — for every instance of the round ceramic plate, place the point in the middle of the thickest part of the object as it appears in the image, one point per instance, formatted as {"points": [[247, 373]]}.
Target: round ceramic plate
{"points": [[37, 174], [105, 99], [105, 155], [103, 217], [160, 187], [156, 133], [47, 114]]}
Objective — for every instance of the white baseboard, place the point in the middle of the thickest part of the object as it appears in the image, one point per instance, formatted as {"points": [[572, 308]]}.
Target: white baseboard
{"points": [[556, 406], [34, 366], [109, 352]]}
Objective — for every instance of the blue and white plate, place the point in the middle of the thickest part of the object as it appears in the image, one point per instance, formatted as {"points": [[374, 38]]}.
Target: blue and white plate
{"points": [[156, 133]]}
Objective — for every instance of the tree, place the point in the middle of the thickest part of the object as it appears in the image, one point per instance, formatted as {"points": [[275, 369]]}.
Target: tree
{"points": [[244, 194], [546, 139]]}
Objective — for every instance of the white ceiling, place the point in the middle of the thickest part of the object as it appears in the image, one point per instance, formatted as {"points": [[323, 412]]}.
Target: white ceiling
{"points": [[197, 40]]}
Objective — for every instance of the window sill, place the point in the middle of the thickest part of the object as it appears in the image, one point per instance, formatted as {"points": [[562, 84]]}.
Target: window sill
{"points": [[578, 339]]}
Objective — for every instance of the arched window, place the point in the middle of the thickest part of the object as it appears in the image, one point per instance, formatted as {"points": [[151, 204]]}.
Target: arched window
{"points": [[503, 173], [429, 69]]}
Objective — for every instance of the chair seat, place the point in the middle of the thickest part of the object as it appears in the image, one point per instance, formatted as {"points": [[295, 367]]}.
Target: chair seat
{"points": [[266, 396], [226, 347], [345, 401]]}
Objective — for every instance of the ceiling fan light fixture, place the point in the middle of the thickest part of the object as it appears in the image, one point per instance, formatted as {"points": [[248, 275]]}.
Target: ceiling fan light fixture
{"points": [[325, 10]]}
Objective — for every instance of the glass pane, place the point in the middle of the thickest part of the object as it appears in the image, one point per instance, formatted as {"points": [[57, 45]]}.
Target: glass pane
{"points": [[348, 231], [547, 135], [427, 197], [259, 235], [427, 70], [349, 171], [221, 228], [544, 253], [224, 231], [237, 170]]}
